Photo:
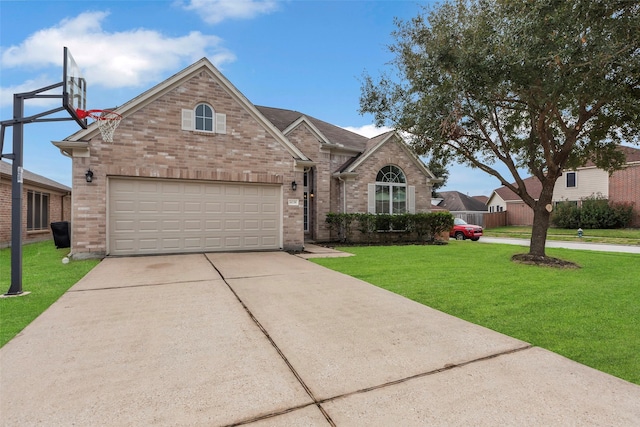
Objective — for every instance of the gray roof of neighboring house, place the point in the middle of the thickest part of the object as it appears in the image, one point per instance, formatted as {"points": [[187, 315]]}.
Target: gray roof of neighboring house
{"points": [[32, 178], [281, 119], [532, 184], [455, 201]]}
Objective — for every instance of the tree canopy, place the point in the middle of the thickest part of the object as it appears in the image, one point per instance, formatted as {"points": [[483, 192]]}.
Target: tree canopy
{"points": [[540, 85]]}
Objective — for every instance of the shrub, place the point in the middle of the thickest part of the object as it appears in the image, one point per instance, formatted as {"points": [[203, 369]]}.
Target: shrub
{"points": [[595, 212], [566, 215], [366, 225], [424, 226], [340, 224]]}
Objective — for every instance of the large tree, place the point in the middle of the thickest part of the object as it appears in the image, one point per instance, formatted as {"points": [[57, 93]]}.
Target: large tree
{"points": [[536, 85]]}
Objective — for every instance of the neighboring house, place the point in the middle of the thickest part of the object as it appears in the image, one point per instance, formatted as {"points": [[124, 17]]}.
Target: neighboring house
{"points": [[481, 199], [44, 201], [623, 186], [462, 206], [196, 167]]}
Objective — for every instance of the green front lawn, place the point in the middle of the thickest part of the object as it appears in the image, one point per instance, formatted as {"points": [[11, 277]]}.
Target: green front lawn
{"points": [[44, 275], [590, 314]]}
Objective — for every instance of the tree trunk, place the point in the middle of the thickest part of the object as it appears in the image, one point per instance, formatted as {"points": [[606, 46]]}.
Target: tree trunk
{"points": [[539, 230], [541, 217]]}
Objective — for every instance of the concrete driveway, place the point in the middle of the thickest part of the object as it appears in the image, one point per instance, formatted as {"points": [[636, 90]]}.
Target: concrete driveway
{"points": [[270, 339]]}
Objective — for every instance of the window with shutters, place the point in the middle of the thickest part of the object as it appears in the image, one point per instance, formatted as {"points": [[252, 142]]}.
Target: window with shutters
{"points": [[203, 118]]}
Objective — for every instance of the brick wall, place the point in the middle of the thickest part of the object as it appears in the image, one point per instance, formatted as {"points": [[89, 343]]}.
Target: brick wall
{"points": [[389, 154], [56, 212], [624, 186], [150, 143], [5, 212]]}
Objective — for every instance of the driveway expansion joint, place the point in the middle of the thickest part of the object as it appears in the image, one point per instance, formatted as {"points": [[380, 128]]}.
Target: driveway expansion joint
{"points": [[278, 350], [447, 367], [142, 285]]}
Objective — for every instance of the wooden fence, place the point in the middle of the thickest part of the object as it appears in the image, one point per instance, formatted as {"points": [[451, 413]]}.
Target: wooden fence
{"points": [[495, 219]]}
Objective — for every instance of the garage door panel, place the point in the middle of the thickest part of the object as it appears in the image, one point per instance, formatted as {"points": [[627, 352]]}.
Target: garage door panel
{"points": [[213, 207], [170, 225], [125, 206], [193, 225], [160, 216], [232, 224], [193, 207], [213, 225], [193, 243], [125, 226], [148, 187], [269, 208], [251, 224], [232, 190], [170, 207]]}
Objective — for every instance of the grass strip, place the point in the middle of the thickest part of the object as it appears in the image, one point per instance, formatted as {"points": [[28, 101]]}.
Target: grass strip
{"points": [[44, 275]]}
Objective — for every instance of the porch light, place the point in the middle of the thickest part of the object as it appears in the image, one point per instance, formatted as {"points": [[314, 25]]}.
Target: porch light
{"points": [[89, 175], [294, 185]]}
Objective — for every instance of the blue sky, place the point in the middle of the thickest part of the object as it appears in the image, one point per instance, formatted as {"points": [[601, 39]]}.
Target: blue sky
{"points": [[301, 55]]}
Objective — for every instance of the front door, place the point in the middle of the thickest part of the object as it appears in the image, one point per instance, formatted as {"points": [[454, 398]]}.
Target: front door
{"points": [[308, 204]]}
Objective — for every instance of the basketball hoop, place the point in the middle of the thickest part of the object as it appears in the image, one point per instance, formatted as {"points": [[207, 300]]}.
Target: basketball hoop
{"points": [[107, 120]]}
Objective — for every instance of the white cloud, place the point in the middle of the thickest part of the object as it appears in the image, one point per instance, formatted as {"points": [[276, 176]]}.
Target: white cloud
{"points": [[216, 11], [368, 130], [119, 59], [6, 93]]}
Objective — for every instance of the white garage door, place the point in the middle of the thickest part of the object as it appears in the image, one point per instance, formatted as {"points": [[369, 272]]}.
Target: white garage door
{"points": [[151, 216]]}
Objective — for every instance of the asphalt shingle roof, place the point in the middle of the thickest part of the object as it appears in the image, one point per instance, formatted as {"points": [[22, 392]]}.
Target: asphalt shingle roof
{"points": [[282, 118], [456, 201], [6, 169]]}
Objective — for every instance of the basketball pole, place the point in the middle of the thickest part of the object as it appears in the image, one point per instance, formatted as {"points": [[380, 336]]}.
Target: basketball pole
{"points": [[17, 197], [17, 159]]}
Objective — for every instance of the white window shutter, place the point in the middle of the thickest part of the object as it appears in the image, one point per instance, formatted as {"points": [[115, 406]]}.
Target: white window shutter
{"points": [[411, 199], [371, 205], [221, 123], [187, 119]]}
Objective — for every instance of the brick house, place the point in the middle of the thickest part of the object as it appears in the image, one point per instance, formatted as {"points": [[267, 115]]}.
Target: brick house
{"points": [[196, 167], [573, 186], [44, 201]]}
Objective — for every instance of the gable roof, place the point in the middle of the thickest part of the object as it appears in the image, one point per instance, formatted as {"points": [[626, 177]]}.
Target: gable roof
{"points": [[32, 178], [482, 199], [160, 89], [455, 201], [374, 145], [284, 119], [532, 184]]}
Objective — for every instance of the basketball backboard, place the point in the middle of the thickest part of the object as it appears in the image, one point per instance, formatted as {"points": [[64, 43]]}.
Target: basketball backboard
{"points": [[74, 88]]}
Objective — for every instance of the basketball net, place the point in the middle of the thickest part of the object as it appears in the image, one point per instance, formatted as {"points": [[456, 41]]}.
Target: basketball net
{"points": [[107, 120]]}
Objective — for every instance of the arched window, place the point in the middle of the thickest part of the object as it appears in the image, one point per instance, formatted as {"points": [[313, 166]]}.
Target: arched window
{"points": [[391, 190], [204, 118]]}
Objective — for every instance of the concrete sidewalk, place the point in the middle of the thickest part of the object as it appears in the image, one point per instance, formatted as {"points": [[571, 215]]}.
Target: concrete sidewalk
{"points": [[585, 246], [270, 339]]}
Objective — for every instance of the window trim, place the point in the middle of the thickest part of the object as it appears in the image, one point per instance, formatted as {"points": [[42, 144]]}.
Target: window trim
{"points": [[43, 215], [575, 179], [409, 191], [189, 120], [205, 119]]}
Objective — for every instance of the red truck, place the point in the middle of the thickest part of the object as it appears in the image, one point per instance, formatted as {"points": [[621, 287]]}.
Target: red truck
{"points": [[461, 230]]}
